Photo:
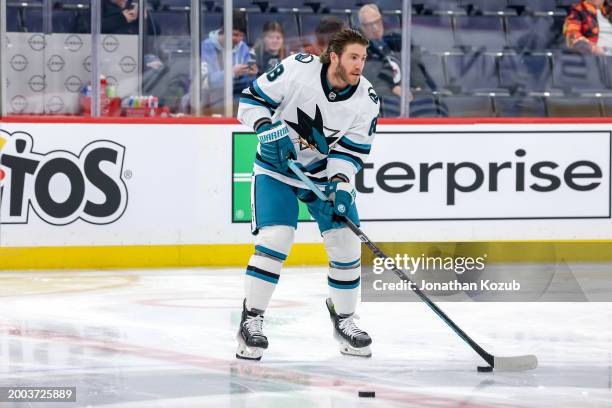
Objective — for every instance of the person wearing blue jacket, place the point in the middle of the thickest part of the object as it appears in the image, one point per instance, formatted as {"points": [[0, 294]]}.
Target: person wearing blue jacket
{"points": [[244, 69]]}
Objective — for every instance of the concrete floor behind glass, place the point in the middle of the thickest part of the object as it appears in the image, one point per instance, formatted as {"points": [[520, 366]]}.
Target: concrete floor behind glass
{"points": [[165, 338]]}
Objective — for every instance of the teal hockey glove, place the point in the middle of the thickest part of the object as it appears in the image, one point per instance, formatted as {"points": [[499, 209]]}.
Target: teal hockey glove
{"points": [[275, 146], [342, 194]]}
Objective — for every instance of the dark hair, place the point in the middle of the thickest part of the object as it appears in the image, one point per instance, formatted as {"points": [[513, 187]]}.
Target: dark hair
{"points": [[329, 25], [340, 40], [238, 22]]}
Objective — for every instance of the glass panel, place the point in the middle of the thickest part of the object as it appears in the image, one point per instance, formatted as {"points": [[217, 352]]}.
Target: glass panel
{"points": [[382, 25], [167, 55], [505, 58], [212, 54], [48, 61]]}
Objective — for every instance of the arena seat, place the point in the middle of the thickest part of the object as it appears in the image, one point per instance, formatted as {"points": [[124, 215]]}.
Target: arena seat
{"points": [[433, 33], [480, 32], [526, 73], [472, 73], [518, 106]]}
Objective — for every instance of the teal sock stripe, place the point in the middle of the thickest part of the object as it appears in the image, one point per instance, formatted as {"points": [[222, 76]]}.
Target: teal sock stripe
{"points": [[271, 252], [338, 284], [336, 264], [261, 274]]}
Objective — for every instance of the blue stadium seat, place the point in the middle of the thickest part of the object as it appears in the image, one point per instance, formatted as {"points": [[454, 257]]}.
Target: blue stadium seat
{"points": [[579, 73], [518, 106], [443, 7], [466, 106], [426, 106], [526, 73], [256, 21], [32, 19], [63, 21], [302, 5], [539, 7], [13, 19], [173, 22], [237, 4], [533, 33], [83, 21], [608, 70], [340, 5], [485, 33], [573, 107], [72, 4], [487, 7], [433, 33], [390, 106], [472, 73], [175, 4], [432, 67]]}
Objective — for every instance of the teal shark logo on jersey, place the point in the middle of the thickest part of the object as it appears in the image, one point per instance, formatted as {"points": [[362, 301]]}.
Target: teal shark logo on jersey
{"points": [[312, 132]]}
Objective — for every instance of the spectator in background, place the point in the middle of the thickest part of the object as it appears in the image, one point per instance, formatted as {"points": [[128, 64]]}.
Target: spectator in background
{"points": [[244, 67], [121, 17], [326, 28], [270, 48], [383, 67], [588, 27]]}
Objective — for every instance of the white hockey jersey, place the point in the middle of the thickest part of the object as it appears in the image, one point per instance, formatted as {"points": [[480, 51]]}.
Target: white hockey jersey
{"points": [[297, 92]]}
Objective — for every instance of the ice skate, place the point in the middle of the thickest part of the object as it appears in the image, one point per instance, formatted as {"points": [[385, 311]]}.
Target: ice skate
{"points": [[251, 340], [353, 341]]}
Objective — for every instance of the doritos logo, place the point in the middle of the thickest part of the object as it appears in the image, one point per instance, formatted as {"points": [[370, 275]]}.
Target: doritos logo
{"points": [[60, 186]]}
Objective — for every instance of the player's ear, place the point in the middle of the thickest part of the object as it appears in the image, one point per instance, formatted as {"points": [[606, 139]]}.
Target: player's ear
{"points": [[333, 57]]}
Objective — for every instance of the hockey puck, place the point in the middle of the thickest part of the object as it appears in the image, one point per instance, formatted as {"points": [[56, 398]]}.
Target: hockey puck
{"points": [[367, 394], [484, 369]]}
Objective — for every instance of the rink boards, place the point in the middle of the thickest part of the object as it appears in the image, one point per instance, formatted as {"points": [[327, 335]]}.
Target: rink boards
{"points": [[113, 194]]}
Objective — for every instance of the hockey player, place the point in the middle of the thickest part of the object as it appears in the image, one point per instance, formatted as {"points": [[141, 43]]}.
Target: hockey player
{"points": [[322, 113]]}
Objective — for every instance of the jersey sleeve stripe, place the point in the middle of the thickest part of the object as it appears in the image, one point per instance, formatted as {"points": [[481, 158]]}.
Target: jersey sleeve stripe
{"points": [[356, 147], [246, 94], [256, 90], [255, 102], [355, 161]]}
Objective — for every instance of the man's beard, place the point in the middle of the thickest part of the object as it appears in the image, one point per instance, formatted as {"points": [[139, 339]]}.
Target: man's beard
{"points": [[342, 74]]}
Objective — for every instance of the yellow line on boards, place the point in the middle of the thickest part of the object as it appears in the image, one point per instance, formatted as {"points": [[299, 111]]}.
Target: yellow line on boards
{"points": [[154, 256], [237, 255]]}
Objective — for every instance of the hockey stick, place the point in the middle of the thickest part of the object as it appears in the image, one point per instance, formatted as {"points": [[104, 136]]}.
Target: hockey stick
{"points": [[515, 363]]}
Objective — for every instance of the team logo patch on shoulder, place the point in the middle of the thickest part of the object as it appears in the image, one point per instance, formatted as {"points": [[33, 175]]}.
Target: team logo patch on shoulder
{"points": [[372, 95], [304, 57]]}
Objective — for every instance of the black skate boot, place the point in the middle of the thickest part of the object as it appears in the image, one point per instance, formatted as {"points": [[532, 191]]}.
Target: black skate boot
{"points": [[251, 340], [353, 341]]}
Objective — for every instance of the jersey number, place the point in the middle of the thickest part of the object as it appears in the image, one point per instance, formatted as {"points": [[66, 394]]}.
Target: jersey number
{"points": [[373, 126], [275, 72]]}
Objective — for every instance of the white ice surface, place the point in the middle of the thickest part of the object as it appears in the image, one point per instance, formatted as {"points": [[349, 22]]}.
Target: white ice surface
{"points": [[165, 338]]}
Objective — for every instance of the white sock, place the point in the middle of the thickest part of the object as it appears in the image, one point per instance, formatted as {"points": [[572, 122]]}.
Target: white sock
{"points": [[262, 275]]}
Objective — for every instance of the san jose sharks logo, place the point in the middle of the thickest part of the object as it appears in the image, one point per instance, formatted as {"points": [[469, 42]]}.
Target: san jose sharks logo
{"points": [[312, 132]]}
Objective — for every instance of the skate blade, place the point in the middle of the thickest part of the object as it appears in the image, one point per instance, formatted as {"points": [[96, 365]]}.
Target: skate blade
{"points": [[349, 350], [245, 352]]}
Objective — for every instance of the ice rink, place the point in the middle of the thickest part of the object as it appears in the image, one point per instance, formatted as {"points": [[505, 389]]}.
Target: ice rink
{"points": [[165, 338]]}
